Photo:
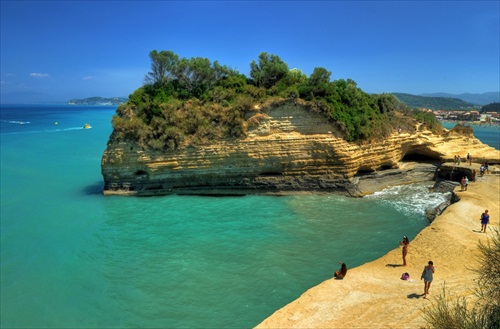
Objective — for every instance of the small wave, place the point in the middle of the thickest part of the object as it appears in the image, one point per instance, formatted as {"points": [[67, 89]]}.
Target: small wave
{"points": [[413, 198], [16, 122]]}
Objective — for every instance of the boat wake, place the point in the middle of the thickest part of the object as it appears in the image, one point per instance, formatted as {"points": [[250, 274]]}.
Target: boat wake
{"points": [[44, 131], [16, 122]]}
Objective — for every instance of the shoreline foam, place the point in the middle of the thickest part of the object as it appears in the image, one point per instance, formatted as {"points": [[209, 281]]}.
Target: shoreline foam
{"points": [[373, 295]]}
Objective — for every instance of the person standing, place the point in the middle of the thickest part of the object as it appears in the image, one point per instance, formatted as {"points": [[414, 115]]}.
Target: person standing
{"points": [[466, 182], [462, 184], [428, 276], [405, 243], [485, 219]]}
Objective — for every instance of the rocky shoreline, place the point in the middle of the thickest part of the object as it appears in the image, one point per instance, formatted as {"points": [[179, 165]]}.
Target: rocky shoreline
{"points": [[373, 295]]}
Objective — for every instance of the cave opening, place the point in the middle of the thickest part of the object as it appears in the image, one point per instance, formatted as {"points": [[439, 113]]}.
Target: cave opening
{"points": [[271, 173], [420, 157], [363, 171], [385, 167]]}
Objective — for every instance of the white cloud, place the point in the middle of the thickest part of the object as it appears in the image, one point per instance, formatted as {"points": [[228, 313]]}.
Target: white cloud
{"points": [[39, 75]]}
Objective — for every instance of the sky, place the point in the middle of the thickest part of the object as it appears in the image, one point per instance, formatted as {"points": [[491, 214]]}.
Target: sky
{"points": [[53, 51]]}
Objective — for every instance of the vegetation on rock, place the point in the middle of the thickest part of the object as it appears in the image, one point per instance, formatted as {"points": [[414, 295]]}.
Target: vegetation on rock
{"points": [[185, 102]]}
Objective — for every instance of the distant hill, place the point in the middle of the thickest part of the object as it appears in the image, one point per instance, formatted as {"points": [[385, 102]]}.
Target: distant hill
{"points": [[493, 107], [434, 103], [480, 99], [98, 101]]}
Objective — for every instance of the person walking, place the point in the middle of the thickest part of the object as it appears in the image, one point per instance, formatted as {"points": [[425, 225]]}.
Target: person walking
{"points": [[485, 219], [405, 243], [428, 276], [466, 182]]}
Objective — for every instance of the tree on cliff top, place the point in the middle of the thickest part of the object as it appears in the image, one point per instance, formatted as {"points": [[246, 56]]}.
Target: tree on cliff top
{"points": [[198, 99], [163, 64], [188, 77], [268, 71]]}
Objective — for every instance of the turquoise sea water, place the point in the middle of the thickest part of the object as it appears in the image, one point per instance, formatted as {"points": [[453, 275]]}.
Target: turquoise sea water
{"points": [[73, 258]]}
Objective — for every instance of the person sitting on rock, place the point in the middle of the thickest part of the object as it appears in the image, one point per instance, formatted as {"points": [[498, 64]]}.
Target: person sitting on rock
{"points": [[340, 274]]}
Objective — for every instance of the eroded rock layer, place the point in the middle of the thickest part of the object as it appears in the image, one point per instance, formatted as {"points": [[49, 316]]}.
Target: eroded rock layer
{"points": [[287, 149]]}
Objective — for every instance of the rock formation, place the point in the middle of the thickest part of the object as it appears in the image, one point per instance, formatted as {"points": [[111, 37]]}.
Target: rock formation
{"points": [[287, 148]]}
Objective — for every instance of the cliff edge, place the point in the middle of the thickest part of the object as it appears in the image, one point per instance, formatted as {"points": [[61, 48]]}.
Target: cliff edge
{"points": [[287, 148], [374, 296]]}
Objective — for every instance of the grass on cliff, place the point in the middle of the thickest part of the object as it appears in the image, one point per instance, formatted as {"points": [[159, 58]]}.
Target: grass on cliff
{"points": [[485, 312], [186, 102]]}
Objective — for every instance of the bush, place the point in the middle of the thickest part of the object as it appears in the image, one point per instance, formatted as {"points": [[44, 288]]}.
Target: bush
{"points": [[430, 121], [132, 129], [204, 100]]}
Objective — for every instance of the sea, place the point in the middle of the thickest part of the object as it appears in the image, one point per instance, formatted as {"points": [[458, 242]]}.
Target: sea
{"points": [[73, 258], [486, 133]]}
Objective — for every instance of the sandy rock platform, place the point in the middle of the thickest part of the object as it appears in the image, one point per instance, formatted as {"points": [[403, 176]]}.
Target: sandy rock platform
{"points": [[374, 296]]}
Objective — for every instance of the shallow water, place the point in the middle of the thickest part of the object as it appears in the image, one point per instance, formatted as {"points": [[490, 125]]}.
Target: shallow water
{"points": [[74, 258]]}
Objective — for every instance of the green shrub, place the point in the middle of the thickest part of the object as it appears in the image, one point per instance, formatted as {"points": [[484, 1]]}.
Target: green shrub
{"points": [[132, 129], [187, 101], [430, 121]]}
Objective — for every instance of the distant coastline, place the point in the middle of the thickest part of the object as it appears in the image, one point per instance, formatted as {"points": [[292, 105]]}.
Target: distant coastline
{"points": [[98, 101]]}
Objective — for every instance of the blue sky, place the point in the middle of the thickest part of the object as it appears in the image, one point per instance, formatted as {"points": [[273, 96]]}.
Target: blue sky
{"points": [[52, 51]]}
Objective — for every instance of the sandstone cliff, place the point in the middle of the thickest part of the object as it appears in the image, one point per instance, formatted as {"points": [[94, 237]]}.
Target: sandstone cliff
{"points": [[287, 149]]}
